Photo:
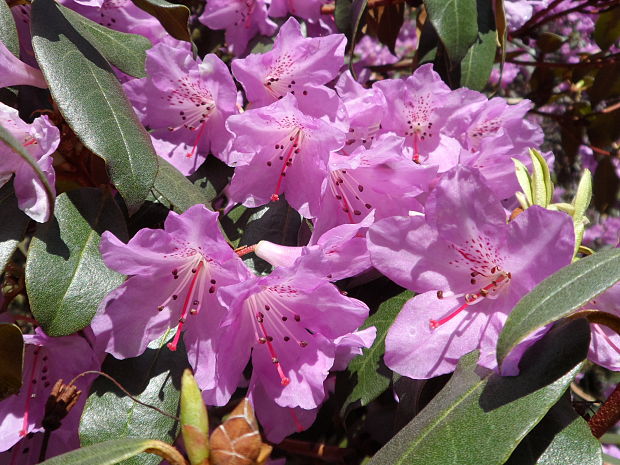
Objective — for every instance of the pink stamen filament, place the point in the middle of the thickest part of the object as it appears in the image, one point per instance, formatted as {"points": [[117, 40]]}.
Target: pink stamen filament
{"points": [[186, 307], [245, 249], [24, 430], [248, 19], [342, 183], [284, 379], [293, 147], [298, 424], [470, 300], [416, 151], [31, 141], [201, 130]]}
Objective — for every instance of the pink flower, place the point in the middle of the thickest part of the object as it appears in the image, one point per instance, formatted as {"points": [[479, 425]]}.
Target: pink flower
{"points": [[16, 72], [185, 101], [280, 150], [470, 267], [242, 19], [41, 139], [175, 273], [294, 64], [306, 9]]}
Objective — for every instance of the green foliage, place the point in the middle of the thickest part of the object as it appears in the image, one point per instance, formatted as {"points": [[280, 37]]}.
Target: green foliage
{"points": [[559, 295], [481, 417], [66, 278], [607, 28], [456, 23], [13, 223], [127, 52], [172, 16], [8, 30], [371, 375], [93, 103], [11, 359], [153, 378], [478, 61]]}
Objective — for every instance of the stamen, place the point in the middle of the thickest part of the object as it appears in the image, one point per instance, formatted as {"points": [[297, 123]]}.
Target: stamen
{"points": [[186, 308], [287, 161], [298, 424], [32, 381], [192, 153], [284, 380]]}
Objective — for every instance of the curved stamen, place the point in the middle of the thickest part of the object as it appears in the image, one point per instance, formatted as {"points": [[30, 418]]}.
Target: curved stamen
{"points": [[29, 395], [266, 339], [186, 307]]}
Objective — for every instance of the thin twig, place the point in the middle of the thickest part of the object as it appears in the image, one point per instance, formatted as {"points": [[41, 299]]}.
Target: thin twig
{"points": [[118, 385], [596, 63]]}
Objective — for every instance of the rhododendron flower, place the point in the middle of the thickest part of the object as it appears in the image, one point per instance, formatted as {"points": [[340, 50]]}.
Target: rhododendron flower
{"points": [[417, 109], [470, 267], [41, 139], [294, 64], [379, 178], [46, 360], [339, 253], [306, 9], [242, 19], [288, 322], [16, 72], [185, 101], [278, 422], [175, 273], [280, 150]]}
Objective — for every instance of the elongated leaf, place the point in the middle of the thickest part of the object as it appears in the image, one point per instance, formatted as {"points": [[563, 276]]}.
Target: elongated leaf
{"points": [[66, 278], [607, 28], [175, 190], [8, 30], [342, 16], [92, 101], [7, 139], [13, 223], [11, 359], [558, 295], [373, 377], [125, 51], [561, 437], [481, 418], [153, 378], [111, 452], [456, 24], [173, 17], [478, 62], [358, 8]]}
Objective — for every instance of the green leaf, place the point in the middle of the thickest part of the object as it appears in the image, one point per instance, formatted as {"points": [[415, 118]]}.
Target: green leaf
{"points": [[174, 189], [342, 16], [92, 101], [548, 42], [478, 62], [7, 138], [11, 359], [125, 51], [13, 223], [480, 417], [66, 278], [358, 8], [558, 295], [153, 378], [456, 23], [607, 28], [173, 17], [8, 30], [111, 452], [372, 376], [561, 437]]}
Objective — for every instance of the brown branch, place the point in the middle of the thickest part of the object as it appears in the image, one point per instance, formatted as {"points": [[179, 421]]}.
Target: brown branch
{"points": [[597, 63], [316, 450], [606, 416], [330, 8]]}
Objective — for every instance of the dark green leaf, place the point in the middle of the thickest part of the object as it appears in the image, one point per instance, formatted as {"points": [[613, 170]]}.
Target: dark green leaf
{"points": [[478, 62], [607, 28], [559, 295], [107, 453], [13, 223], [427, 47], [125, 51], [358, 8], [480, 417], [7, 138], [173, 17], [456, 24], [66, 278], [606, 86], [11, 359], [342, 16], [8, 30], [92, 101], [372, 376], [548, 42], [153, 378], [561, 437], [387, 23], [175, 190]]}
